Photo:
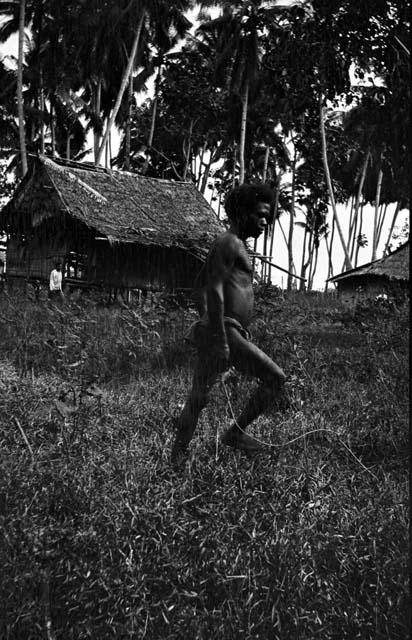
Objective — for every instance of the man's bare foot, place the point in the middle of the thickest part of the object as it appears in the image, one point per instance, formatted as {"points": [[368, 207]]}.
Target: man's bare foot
{"points": [[239, 440]]}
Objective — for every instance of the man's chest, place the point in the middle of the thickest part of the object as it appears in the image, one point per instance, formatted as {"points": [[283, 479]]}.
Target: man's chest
{"points": [[243, 263]]}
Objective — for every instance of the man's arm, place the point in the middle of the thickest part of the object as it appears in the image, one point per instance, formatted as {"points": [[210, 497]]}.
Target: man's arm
{"points": [[219, 266]]}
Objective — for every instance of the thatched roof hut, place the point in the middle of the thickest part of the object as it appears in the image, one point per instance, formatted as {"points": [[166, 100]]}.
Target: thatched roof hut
{"points": [[110, 228], [389, 275]]}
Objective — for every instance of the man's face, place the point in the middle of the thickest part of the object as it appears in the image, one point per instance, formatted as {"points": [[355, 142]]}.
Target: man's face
{"points": [[258, 220]]}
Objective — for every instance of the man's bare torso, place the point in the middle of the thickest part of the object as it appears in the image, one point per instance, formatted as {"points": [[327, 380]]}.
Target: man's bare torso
{"points": [[228, 260]]}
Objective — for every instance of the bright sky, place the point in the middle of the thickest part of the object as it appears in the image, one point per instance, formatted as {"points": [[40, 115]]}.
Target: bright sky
{"points": [[280, 255]]}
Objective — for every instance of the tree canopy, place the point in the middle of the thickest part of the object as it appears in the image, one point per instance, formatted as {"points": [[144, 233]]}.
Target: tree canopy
{"points": [[238, 95]]}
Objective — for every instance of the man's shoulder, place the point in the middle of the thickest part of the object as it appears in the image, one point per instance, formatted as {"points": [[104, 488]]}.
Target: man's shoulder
{"points": [[227, 242]]}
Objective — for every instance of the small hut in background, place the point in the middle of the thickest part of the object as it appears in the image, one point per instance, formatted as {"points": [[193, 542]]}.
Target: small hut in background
{"points": [[110, 229], [388, 276]]}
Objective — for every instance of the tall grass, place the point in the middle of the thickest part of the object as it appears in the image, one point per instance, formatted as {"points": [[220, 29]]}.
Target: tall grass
{"points": [[101, 539]]}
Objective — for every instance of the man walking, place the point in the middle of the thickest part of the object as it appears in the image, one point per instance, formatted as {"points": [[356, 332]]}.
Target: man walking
{"points": [[221, 335]]}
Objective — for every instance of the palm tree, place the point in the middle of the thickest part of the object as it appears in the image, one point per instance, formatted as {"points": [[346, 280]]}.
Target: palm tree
{"points": [[47, 75], [9, 133], [167, 26], [143, 11], [375, 129], [239, 30], [237, 53], [125, 79], [20, 104], [348, 262], [14, 10]]}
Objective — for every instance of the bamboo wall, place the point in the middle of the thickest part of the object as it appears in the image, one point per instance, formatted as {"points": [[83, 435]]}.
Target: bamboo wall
{"points": [[141, 267], [98, 263], [32, 260], [355, 290]]}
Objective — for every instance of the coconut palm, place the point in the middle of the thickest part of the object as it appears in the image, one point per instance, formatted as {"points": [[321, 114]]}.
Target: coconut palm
{"points": [[237, 55], [138, 14], [376, 128], [17, 11], [167, 25]]}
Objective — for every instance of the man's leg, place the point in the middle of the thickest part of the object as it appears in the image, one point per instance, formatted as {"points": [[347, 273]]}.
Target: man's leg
{"points": [[253, 362], [204, 378]]}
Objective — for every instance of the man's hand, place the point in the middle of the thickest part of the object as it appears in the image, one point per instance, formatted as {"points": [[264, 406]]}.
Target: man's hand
{"points": [[220, 353]]}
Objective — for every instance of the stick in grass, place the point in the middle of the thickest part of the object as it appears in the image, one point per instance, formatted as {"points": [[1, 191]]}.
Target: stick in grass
{"points": [[24, 436]]}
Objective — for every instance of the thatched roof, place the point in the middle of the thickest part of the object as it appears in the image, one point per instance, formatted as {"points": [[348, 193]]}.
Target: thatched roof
{"points": [[394, 266], [120, 206]]}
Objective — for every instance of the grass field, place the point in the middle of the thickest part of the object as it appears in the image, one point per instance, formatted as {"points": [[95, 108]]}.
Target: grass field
{"points": [[101, 539]]}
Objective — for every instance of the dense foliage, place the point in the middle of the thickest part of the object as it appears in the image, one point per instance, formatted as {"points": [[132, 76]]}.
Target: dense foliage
{"points": [[236, 97]]}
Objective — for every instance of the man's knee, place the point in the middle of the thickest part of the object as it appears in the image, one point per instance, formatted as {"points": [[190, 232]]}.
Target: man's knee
{"points": [[275, 382], [198, 399]]}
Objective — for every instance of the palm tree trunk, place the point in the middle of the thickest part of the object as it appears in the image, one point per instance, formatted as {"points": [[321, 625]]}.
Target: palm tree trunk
{"points": [[42, 111], [33, 124], [330, 188], [219, 206], [308, 264], [302, 265], [155, 103], [242, 140], [291, 265], [357, 203], [265, 266], [359, 234], [214, 157], [265, 165], [152, 128], [106, 154], [128, 131], [110, 151], [275, 215], [234, 166], [330, 266], [283, 233], [382, 217], [53, 131], [97, 103], [254, 251], [352, 239], [351, 220], [265, 253], [189, 151], [202, 155], [265, 241], [123, 85], [68, 145], [375, 218], [20, 106], [152, 123], [314, 267], [395, 215], [206, 173], [332, 237]]}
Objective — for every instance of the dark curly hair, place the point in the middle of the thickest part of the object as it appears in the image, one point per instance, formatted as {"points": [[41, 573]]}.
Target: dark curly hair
{"points": [[242, 200]]}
